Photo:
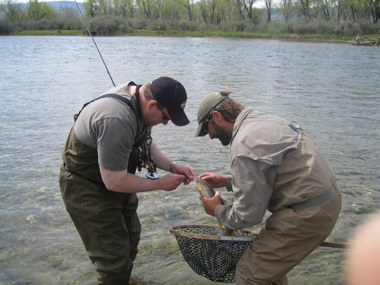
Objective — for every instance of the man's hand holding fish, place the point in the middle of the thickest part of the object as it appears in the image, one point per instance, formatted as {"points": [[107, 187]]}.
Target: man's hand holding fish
{"points": [[211, 199], [209, 204], [215, 180]]}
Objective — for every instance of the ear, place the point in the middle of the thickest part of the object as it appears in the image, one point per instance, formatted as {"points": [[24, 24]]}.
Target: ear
{"points": [[217, 117], [151, 104]]}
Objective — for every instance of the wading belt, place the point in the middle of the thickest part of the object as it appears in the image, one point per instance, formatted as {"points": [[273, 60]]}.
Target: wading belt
{"points": [[316, 200]]}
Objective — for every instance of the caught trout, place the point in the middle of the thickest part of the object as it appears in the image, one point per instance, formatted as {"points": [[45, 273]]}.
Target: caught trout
{"points": [[207, 191]]}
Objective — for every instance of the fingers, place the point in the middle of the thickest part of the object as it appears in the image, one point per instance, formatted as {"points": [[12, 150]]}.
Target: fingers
{"points": [[179, 179], [187, 181], [171, 181], [210, 178], [185, 170], [209, 204], [190, 175], [216, 198], [206, 176], [215, 180], [190, 172]]}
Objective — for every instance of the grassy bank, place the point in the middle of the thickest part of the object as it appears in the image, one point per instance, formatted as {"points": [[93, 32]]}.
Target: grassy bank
{"points": [[48, 33], [179, 33]]}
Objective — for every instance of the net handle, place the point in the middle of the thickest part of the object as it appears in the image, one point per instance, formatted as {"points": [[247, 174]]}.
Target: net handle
{"points": [[174, 231], [231, 238]]}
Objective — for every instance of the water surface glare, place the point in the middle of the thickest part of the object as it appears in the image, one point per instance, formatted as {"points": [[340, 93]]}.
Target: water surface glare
{"points": [[331, 90]]}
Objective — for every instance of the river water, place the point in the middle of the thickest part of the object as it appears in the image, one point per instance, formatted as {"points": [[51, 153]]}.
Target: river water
{"points": [[331, 90]]}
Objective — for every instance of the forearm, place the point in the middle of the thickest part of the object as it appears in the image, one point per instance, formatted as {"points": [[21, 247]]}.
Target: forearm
{"points": [[252, 190], [162, 161], [124, 182]]}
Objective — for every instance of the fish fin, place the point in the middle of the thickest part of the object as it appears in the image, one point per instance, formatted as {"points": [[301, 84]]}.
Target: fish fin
{"points": [[221, 225], [229, 232]]}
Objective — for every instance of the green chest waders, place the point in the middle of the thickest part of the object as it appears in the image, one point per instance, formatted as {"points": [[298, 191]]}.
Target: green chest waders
{"points": [[107, 221]]}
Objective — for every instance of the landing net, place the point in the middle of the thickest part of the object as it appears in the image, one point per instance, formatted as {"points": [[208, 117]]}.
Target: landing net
{"points": [[209, 252]]}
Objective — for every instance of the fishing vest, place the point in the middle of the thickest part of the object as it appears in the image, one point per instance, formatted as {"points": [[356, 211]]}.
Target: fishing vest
{"points": [[303, 174]]}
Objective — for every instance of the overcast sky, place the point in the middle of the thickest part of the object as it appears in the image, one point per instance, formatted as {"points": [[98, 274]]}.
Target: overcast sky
{"points": [[26, 1]]}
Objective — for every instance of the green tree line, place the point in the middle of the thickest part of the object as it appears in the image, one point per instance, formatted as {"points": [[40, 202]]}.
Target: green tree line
{"points": [[106, 16]]}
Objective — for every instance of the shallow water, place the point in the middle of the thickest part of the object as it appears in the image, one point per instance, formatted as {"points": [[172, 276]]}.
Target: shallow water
{"points": [[331, 90]]}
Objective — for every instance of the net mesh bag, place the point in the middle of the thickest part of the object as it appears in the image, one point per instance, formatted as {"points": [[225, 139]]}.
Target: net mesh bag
{"points": [[206, 252]]}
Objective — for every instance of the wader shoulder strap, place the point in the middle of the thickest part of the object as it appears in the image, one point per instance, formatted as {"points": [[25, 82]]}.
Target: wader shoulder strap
{"points": [[116, 96]]}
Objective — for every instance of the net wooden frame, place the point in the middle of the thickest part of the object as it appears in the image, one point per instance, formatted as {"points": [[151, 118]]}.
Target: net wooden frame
{"points": [[206, 251]]}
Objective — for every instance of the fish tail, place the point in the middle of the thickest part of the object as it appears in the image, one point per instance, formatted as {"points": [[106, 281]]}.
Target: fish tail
{"points": [[220, 225], [227, 232]]}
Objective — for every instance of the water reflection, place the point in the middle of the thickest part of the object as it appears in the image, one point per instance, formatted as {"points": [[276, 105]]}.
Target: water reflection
{"points": [[329, 89]]}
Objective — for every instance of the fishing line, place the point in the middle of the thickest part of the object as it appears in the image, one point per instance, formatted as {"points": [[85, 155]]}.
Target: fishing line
{"points": [[94, 42], [151, 166]]}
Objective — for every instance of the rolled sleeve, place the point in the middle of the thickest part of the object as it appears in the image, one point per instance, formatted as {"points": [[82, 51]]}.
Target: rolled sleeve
{"points": [[252, 184], [229, 183]]}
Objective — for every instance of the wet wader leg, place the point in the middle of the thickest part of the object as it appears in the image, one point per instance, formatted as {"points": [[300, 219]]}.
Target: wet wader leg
{"points": [[132, 223], [99, 218], [106, 221], [126, 245], [130, 209], [288, 237]]}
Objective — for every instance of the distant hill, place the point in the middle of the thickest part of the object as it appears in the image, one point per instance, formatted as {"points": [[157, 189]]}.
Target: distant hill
{"points": [[57, 4], [276, 14]]}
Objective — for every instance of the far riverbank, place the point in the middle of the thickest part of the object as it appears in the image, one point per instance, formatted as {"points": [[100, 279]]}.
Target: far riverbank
{"points": [[225, 34]]}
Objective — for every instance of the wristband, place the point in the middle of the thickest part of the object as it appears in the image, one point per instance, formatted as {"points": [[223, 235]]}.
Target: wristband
{"points": [[172, 166]]}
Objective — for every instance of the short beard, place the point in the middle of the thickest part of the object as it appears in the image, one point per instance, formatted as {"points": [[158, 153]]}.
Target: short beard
{"points": [[225, 141], [222, 135]]}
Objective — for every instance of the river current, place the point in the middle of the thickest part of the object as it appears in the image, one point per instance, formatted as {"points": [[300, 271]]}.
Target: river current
{"points": [[331, 90]]}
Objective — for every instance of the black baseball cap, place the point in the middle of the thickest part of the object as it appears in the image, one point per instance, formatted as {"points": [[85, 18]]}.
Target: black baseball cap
{"points": [[172, 95]]}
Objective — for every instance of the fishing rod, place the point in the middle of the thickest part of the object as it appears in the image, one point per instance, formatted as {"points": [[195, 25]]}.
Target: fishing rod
{"points": [[94, 43], [334, 244], [254, 235]]}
